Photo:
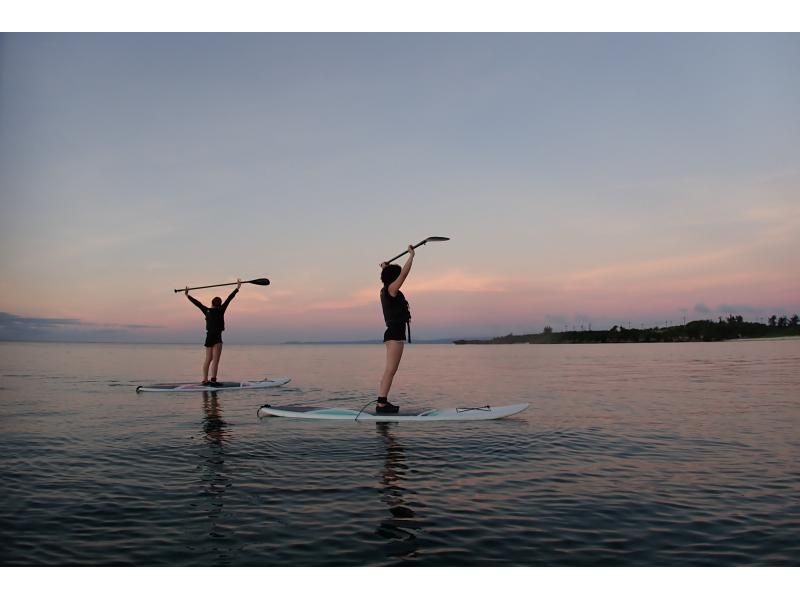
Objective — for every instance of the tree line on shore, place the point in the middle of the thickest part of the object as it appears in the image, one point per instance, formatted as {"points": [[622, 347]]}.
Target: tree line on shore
{"points": [[733, 327]]}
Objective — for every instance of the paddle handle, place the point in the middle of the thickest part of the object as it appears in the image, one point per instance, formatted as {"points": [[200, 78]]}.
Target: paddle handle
{"points": [[258, 281]]}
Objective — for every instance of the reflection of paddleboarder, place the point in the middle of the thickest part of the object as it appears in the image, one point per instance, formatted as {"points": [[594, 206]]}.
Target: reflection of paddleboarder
{"points": [[401, 526], [214, 426], [215, 324], [215, 480]]}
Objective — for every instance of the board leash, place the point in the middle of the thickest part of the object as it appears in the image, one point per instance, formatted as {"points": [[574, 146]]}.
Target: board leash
{"points": [[364, 407]]}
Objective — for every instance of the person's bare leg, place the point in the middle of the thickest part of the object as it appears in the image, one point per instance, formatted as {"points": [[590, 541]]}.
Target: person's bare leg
{"points": [[217, 353], [209, 355], [394, 352]]}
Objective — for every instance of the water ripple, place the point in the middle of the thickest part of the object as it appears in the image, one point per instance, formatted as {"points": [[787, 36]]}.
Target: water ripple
{"points": [[619, 461]]}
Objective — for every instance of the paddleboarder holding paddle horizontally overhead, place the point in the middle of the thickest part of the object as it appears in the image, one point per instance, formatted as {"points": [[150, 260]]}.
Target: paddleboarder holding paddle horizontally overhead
{"points": [[215, 324]]}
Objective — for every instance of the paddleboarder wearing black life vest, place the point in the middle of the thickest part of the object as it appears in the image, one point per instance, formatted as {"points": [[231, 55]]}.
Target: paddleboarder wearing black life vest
{"points": [[215, 324], [397, 317]]}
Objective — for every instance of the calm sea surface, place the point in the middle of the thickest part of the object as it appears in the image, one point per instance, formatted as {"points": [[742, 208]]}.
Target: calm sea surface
{"points": [[674, 454]]}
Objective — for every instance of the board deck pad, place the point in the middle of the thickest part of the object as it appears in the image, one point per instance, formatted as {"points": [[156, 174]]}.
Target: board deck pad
{"points": [[478, 413], [272, 382]]}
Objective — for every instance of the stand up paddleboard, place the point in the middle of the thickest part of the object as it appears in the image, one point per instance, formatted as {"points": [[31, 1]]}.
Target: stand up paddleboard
{"points": [[428, 415], [197, 387]]}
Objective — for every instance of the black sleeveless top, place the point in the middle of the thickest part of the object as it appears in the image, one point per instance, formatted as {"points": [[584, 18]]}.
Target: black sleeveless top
{"points": [[395, 309]]}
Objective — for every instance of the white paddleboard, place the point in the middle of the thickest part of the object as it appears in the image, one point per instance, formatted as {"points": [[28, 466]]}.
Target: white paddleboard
{"points": [[428, 415], [197, 387]]}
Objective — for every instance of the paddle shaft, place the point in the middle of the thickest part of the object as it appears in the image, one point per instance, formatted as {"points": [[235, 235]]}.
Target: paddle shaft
{"points": [[417, 245], [259, 281]]}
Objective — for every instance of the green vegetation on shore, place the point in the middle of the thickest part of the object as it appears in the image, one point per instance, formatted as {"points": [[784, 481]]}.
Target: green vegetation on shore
{"points": [[734, 327]]}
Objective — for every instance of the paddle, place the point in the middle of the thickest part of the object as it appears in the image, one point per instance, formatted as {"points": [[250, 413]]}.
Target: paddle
{"points": [[259, 281], [417, 245]]}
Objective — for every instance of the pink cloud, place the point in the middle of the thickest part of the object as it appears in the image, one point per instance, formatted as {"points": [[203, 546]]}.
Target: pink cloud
{"points": [[461, 299]]}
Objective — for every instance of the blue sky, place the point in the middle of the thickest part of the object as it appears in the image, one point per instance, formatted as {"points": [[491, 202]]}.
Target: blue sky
{"points": [[582, 178]]}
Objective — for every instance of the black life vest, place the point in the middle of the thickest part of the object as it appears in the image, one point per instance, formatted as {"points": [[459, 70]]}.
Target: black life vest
{"points": [[215, 319], [395, 309]]}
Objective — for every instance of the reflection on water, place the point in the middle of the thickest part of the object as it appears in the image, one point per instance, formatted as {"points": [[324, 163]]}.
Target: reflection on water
{"points": [[401, 526], [214, 426], [215, 475]]}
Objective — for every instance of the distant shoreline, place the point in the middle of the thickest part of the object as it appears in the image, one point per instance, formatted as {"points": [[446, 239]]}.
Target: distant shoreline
{"points": [[444, 341], [196, 344], [735, 328]]}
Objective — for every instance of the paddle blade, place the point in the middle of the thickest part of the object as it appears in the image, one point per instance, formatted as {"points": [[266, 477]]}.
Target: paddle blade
{"points": [[260, 281]]}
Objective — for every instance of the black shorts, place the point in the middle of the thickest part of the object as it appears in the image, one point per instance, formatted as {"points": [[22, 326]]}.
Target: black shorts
{"points": [[213, 338], [395, 332]]}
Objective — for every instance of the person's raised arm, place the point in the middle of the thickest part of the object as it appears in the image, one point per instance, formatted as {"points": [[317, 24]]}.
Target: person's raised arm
{"points": [[395, 286], [199, 305], [233, 294]]}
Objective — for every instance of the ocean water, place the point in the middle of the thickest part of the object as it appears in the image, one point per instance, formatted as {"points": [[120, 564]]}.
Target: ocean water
{"points": [[670, 454]]}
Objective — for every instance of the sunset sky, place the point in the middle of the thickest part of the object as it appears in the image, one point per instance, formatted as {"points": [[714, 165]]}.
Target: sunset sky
{"points": [[583, 179]]}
